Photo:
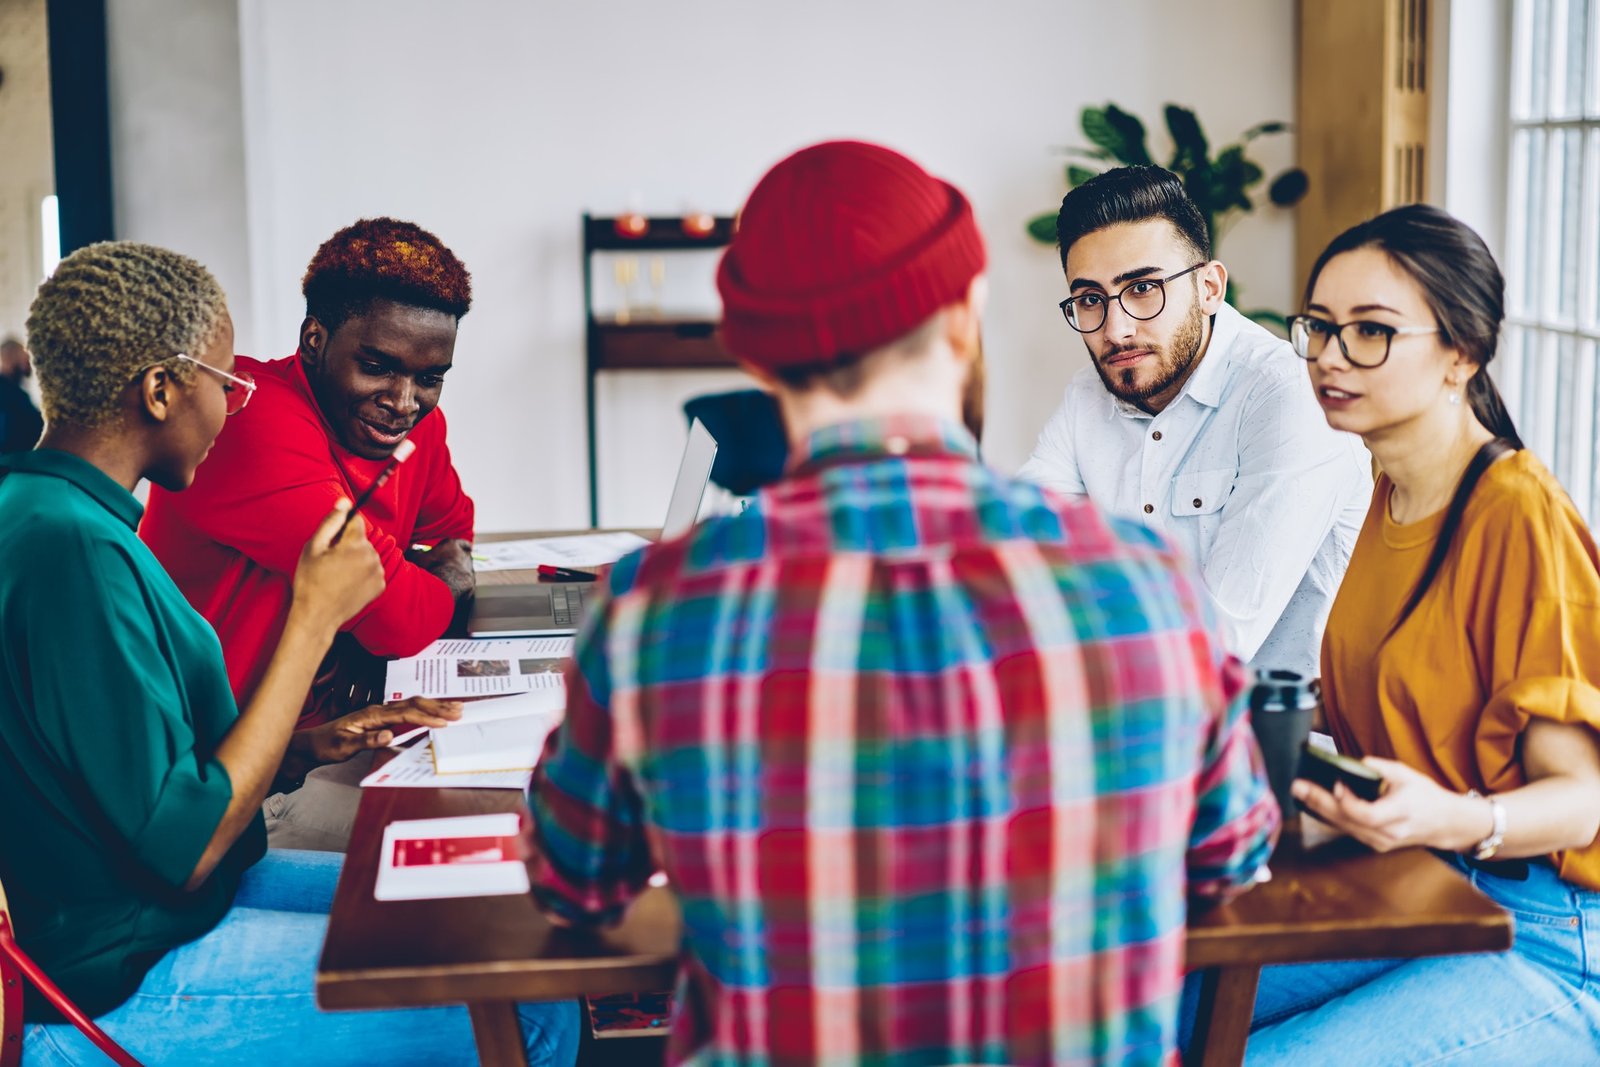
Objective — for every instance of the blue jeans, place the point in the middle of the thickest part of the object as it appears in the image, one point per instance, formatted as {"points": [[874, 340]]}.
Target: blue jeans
{"points": [[1537, 1004], [243, 994]]}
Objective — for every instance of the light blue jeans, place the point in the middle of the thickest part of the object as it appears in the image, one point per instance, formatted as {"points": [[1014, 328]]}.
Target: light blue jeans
{"points": [[243, 994], [1537, 1005]]}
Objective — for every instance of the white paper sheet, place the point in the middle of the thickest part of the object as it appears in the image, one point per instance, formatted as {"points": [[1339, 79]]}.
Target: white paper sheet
{"points": [[460, 668], [578, 550], [413, 769]]}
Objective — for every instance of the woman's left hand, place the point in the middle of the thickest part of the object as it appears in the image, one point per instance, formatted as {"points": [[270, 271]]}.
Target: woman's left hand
{"points": [[1413, 810]]}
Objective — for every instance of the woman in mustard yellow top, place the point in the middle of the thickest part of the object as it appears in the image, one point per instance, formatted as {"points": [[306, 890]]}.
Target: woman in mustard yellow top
{"points": [[1461, 661]]}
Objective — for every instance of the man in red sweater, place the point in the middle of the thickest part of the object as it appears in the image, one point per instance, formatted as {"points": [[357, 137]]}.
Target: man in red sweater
{"points": [[383, 299]]}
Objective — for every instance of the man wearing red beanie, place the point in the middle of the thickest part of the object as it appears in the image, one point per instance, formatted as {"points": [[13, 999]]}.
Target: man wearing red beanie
{"points": [[920, 748]]}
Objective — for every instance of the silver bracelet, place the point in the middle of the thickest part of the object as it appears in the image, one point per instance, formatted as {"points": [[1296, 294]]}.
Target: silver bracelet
{"points": [[1489, 846]]}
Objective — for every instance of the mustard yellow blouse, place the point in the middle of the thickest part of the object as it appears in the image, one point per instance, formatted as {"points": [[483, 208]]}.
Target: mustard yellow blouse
{"points": [[1509, 630]]}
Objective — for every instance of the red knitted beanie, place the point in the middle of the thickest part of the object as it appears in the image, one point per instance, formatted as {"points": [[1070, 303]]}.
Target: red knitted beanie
{"points": [[842, 248]]}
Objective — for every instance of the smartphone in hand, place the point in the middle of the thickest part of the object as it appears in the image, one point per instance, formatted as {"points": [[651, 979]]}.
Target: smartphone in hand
{"points": [[1324, 768]]}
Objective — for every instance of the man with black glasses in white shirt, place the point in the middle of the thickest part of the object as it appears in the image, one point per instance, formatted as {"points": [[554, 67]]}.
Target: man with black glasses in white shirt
{"points": [[1196, 421]]}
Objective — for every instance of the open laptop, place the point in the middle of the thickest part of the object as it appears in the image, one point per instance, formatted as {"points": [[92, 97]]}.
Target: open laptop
{"points": [[541, 609]]}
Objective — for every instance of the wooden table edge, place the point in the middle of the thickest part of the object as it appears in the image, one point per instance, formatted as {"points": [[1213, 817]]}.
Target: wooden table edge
{"points": [[1483, 933]]}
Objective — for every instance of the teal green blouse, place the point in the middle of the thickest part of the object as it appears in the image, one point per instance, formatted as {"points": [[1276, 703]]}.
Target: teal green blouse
{"points": [[113, 698]]}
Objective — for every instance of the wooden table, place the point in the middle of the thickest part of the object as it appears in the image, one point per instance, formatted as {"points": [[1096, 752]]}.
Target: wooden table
{"points": [[1337, 902], [485, 952]]}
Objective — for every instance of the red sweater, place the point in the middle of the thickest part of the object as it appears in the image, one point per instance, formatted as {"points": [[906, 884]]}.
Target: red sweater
{"points": [[232, 540]]}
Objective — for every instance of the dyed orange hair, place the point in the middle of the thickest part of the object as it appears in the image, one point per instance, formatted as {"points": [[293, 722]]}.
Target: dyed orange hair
{"points": [[383, 259]]}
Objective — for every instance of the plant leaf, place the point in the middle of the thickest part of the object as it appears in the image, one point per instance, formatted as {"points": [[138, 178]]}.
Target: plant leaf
{"points": [[1289, 188], [1042, 228], [1232, 176], [1099, 154], [1189, 142], [1077, 175], [1117, 132], [1261, 129], [1132, 131], [1097, 128]]}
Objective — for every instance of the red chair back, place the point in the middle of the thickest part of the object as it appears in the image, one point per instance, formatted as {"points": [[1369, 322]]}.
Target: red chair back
{"points": [[14, 967]]}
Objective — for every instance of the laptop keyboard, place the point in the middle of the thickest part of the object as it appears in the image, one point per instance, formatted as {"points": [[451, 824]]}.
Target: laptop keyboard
{"points": [[566, 604]]}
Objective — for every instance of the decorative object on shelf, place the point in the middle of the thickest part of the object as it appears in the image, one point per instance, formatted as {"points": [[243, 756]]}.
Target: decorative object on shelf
{"points": [[626, 271], [699, 224], [1220, 187], [632, 225], [658, 281]]}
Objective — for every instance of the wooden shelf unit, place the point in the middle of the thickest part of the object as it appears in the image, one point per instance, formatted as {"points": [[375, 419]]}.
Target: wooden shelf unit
{"points": [[643, 342]]}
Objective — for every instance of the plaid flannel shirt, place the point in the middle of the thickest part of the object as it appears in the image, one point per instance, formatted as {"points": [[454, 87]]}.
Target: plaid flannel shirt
{"points": [[930, 757]]}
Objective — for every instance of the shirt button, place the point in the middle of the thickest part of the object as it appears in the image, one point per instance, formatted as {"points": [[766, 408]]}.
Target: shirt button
{"points": [[897, 446], [1196, 501], [1148, 508], [1156, 436]]}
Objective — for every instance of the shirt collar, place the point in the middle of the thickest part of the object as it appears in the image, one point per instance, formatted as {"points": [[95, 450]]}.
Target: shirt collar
{"points": [[83, 474], [893, 435], [1209, 380]]}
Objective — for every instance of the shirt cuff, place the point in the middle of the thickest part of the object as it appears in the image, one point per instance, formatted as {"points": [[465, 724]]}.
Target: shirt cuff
{"points": [[186, 815]]}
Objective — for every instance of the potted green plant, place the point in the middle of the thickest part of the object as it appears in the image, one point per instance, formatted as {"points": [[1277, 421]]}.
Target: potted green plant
{"points": [[1220, 187]]}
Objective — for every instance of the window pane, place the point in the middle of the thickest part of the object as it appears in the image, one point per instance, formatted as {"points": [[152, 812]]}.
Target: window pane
{"points": [[1532, 36], [1568, 57], [1587, 495], [1589, 257], [1524, 232], [1594, 60], [1566, 374], [1566, 223], [1507, 371], [1538, 424], [1581, 431]]}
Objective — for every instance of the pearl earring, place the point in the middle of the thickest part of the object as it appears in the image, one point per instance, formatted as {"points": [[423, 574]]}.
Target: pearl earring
{"points": [[1455, 398]]}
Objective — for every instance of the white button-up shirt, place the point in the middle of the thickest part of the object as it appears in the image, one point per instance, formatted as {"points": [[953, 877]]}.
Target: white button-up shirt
{"points": [[1240, 470]]}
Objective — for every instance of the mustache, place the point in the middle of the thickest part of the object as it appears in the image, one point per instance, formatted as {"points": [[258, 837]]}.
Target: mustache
{"points": [[1123, 350]]}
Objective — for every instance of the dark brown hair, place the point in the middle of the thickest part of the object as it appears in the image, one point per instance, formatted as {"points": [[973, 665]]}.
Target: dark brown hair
{"points": [[1466, 293]]}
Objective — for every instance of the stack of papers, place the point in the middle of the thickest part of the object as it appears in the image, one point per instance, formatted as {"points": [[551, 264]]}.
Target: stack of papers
{"points": [[580, 550], [513, 695]]}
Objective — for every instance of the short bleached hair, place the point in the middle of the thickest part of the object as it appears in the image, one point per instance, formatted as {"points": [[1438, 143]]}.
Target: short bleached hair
{"points": [[111, 310]]}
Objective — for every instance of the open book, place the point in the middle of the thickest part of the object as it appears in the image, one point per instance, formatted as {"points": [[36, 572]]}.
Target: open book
{"points": [[500, 734]]}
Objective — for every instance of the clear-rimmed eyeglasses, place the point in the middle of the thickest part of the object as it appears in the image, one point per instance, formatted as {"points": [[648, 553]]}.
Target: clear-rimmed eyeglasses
{"points": [[1143, 299], [236, 389], [1366, 347]]}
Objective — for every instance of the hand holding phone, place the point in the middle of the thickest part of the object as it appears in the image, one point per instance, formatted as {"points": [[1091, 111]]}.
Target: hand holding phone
{"points": [[1325, 768]]}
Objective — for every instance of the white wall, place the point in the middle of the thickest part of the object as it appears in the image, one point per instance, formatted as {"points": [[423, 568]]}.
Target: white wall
{"points": [[177, 142], [27, 173], [497, 123]]}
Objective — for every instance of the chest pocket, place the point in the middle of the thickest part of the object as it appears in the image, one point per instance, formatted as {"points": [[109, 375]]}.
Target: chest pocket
{"points": [[1200, 492]]}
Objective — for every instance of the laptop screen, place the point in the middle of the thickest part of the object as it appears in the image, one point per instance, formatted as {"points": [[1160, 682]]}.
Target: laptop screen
{"points": [[694, 472]]}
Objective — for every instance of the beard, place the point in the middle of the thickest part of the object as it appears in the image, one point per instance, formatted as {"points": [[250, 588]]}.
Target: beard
{"points": [[972, 397], [1173, 361]]}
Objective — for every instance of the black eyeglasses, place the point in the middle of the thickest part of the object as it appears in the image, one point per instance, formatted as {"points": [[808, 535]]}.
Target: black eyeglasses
{"points": [[1143, 300], [1367, 347]]}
